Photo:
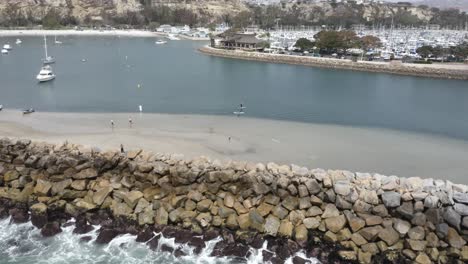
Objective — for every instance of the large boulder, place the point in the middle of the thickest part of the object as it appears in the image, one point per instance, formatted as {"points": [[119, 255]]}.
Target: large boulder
{"points": [[461, 209], [336, 223], [106, 235], [11, 176], [51, 229], [401, 226], [391, 199], [389, 235], [88, 173], [452, 217], [39, 215], [272, 224], [330, 211], [131, 198], [454, 239], [101, 195], [42, 187]]}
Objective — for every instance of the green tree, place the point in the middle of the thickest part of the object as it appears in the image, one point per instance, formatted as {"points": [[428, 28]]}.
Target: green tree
{"points": [[369, 42], [304, 44], [425, 51], [51, 19], [243, 19]]}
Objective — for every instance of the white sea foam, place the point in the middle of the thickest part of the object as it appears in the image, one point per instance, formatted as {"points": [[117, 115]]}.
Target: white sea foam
{"points": [[23, 243]]}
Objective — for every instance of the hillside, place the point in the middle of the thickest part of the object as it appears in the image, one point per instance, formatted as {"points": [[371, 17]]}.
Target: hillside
{"points": [[139, 13]]}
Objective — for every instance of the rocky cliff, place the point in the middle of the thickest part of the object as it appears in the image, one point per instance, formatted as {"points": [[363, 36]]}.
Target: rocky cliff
{"points": [[80, 9], [332, 215]]}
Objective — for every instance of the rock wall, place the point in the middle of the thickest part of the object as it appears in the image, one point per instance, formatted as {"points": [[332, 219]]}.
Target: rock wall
{"points": [[401, 69], [369, 218]]}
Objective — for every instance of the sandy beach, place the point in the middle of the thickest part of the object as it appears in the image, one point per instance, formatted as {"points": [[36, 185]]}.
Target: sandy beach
{"points": [[64, 32], [313, 145]]}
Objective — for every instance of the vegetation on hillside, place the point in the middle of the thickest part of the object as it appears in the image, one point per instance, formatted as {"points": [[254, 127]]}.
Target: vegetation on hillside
{"points": [[337, 15]]}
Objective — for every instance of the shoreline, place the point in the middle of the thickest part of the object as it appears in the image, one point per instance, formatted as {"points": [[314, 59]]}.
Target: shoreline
{"points": [[260, 140], [86, 32], [330, 63]]}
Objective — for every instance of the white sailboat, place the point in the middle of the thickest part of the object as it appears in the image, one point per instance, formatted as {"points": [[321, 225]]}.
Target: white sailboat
{"points": [[7, 47], [4, 51], [56, 41], [48, 59], [45, 74], [18, 41]]}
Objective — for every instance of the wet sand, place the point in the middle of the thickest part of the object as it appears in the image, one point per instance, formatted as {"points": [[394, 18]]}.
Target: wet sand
{"points": [[313, 145]]}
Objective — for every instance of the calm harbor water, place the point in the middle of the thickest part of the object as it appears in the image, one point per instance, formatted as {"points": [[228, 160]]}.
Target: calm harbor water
{"points": [[120, 74], [174, 78]]}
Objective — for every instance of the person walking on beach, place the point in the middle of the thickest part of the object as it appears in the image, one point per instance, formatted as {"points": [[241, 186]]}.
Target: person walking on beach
{"points": [[130, 122], [229, 138], [112, 124], [122, 149]]}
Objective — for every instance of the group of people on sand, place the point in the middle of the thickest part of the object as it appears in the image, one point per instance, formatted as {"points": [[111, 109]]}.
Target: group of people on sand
{"points": [[130, 124]]}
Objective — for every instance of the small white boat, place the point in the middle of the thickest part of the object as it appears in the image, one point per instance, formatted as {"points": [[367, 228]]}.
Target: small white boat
{"points": [[48, 59], [172, 37], [18, 41], [160, 41], [7, 47], [57, 41], [4, 51], [45, 74]]}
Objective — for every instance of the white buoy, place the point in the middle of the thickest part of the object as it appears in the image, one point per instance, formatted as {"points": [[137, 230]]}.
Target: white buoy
{"points": [[141, 108]]}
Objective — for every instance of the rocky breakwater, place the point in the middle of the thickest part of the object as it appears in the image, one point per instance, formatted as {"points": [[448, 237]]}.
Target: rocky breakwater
{"points": [[335, 216], [401, 69]]}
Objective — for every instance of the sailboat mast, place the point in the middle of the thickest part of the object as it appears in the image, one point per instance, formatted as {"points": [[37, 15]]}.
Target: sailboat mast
{"points": [[45, 46]]}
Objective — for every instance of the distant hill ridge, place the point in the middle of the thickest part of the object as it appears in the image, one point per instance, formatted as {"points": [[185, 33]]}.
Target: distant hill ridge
{"points": [[52, 13]]}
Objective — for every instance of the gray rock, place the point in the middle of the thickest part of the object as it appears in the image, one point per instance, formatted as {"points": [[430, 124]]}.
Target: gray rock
{"points": [[465, 222], [419, 219], [342, 188], [444, 198], [311, 223], [313, 186], [391, 199], [418, 206], [380, 210], [303, 192], [460, 197], [452, 217], [434, 215], [454, 239], [417, 233], [272, 225], [342, 203], [419, 196], [431, 201], [401, 226], [406, 210], [330, 196], [330, 211], [461, 209], [369, 197], [442, 230], [361, 207]]}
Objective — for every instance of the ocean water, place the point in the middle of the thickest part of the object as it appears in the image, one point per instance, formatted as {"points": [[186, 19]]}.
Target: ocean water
{"points": [[23, 243], [122, 73]]}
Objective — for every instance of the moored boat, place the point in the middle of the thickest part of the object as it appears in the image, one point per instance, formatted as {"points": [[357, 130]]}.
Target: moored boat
{"points": [[45, 74]]}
